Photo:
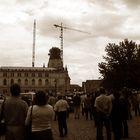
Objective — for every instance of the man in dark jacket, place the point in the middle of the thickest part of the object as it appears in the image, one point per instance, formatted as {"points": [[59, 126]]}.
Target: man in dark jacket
{"points": [[15, 111], [116, 115], [125, 112]]}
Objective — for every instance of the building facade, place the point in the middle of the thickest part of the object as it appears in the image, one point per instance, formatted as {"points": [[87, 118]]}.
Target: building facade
{"points": [[52, 79], [75, 87], [91, 86]]}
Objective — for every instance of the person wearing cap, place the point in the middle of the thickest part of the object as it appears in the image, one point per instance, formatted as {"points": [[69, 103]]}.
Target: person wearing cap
{"points": [[61, 108]]}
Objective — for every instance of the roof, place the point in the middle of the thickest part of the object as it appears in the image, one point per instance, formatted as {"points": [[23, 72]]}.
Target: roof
{"points": [[26, 68]]}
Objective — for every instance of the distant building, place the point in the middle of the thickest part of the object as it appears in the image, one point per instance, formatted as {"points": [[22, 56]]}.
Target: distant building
{"points": [[75, 87], [91, 85], [54, 78]]}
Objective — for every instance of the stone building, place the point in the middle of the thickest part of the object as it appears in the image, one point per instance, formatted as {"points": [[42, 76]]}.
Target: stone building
{"points": [[91, 86], [53, 78], [75, 87]]}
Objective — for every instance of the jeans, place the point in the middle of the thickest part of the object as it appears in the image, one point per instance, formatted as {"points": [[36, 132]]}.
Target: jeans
{"points": [[124, 129], [61, 117], [103, 120], [77, 112], [42, 135]]}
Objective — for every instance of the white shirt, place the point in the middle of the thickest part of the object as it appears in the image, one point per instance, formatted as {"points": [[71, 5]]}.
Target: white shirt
{"points": [[61, 105], [103, 103], [42, 117]]}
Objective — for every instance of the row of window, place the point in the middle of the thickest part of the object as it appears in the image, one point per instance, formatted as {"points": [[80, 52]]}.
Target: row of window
{"points": [[26, 82], [25, 74], [5, 91]]}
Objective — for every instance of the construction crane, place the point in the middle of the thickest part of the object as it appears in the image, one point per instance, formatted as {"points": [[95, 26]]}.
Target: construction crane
{"points": [[34, 39], [61, 35]]}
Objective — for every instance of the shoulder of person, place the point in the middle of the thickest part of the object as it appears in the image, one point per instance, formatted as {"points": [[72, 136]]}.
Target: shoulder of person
{"points": [[65, 101], [50, 106], [97, 98]]}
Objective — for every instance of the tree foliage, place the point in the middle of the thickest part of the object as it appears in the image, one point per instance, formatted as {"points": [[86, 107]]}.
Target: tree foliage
{"points": [[122, 65], [55, 53]]}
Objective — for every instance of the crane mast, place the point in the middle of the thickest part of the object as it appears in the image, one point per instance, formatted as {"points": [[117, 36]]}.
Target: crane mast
{"points": [[61, 35], [34, 39], [61, 38]]}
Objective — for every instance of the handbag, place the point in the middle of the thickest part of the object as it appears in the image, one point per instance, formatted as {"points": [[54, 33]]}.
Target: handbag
{"points": [[2, 122], [29, 127]]}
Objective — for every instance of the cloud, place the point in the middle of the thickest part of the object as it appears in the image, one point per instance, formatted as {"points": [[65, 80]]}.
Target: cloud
{"points": [[106, 25], [108, 22], [32, 8], [134, 4], [22, 1], [45, 27], [109, 5]]}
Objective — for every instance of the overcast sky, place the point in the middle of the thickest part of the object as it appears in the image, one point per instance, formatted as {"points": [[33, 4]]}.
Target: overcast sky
{"points": [[107, 21]]}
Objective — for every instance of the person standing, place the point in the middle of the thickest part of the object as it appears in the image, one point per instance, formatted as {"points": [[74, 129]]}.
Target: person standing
{"points": [[88, 107], [52, 100], [125, 112], [61, 108], [41, 117], [83, 97], [116, 115], [76, 102], [103, 105], [15, 111]]}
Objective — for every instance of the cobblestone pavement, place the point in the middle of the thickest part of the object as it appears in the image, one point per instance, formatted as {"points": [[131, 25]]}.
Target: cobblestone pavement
{"points": [[83, 129]]}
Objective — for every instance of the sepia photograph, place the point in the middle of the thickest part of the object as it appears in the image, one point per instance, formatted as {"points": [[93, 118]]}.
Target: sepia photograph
{"points": [[69, 70]]}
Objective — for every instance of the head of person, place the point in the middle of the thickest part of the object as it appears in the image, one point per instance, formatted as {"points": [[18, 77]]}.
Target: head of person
{"points": [[59, 96], [88, 95], [15, 90], [41, 98], [102, 90], [116, 94], [125, 92]]}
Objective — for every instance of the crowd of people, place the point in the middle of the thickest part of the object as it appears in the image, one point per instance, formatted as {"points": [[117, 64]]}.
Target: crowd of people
{"points": [[107, 109]]}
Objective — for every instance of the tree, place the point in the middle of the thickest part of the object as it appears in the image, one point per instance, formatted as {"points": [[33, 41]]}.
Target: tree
{"points": [[122, 65], [55, 53]]}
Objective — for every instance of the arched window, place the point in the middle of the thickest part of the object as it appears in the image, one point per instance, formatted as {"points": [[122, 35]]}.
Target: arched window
{"points": [[26, 82], [12, 81], [4, 82], [46, 82], [33, 81], [19, 81], [39, 82]]}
